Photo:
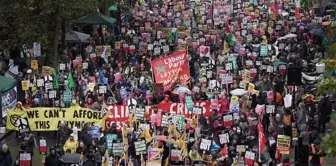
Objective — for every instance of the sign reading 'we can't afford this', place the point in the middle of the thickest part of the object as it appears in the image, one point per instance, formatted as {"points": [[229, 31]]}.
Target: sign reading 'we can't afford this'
{"points": [[48, 119]]}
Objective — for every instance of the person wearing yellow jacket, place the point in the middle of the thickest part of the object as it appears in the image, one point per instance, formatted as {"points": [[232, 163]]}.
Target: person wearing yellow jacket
{"points": [[70, 145]]}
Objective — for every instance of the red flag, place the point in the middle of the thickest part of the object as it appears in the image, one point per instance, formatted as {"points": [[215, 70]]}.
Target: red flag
{"points": [[297, 14], [261, 138], [227, 28]]}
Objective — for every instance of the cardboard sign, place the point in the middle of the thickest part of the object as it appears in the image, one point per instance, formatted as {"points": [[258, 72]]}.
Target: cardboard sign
{"points": [[283, 144], [228, 119], [205, 145], [43, 146], [140, 147], [117, 147], [139, 113], [270, 109], [25, 159], [224, 138], [34, 64], [25, 85]]}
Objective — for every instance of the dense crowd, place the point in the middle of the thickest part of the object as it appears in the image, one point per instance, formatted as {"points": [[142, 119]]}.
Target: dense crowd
{"points": [[239, 55]]}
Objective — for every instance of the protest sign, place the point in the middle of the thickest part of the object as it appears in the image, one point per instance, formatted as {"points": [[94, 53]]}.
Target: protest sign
{"points": [[140, 147], [47, 70], [109, 141], [25, 85], [43, 146], [139, 113], [34, 64], [25, 159], [154, 156], [234, 106], [168, 69], [48, 119], [67, 97], [249, 158], [8, 100], [164, 120], [224, 138], [95, 132], [283, 144], [263, 50], [175, 155], [189, 103], [117, 147], [205, 145], [270, 109], [228, 119]]}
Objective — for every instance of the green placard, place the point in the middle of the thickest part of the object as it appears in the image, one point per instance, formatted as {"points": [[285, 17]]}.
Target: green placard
{"points": [[263, 50], [67, 97], [189, 103]]}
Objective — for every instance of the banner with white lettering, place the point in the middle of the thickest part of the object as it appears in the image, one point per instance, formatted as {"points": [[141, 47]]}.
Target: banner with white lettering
{"points": [[117, 147], [205, 145], [224, 138]]}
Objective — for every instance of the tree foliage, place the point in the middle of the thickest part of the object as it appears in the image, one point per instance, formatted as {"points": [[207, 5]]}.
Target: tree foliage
{"points": [[28, 21], [328, 85]]}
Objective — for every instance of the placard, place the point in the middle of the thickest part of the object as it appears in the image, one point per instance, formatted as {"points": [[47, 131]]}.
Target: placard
{"points": [[263, 50], [43, 146], [62, 66], [228, 119], [227, 79], [140, 147], [189, 103], [139, 113], [205, 145], [197, 110], [249, 158], [34, 64], [175, 155], [283, 144], [224, 138], [270, 109], [164, 120], [48, 85], [117, 147], [52, 94], [25, 159], [67, 97], [25, 85], [228, 66], [102, 89], [47, 70], [234, 106], [109, 142], [40, 83]]}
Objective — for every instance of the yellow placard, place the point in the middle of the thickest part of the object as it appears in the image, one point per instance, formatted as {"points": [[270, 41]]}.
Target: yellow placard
{"points": [[25, 85], [117, 45], [250, 87], [47, 70], [108, 50], [91, 86], [34, 64], [48, 119], [283, 144]]}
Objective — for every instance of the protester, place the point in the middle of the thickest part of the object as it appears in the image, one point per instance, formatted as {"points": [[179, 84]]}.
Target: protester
{"points": [[52, 159], [70, 144], [5, 156]]}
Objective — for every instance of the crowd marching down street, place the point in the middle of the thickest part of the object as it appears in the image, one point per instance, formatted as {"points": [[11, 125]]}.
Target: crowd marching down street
{"points": [[181, 82]]}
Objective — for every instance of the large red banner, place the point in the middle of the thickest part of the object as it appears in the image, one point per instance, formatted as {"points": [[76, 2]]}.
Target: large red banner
{"points": [[120, 112], [169, 69]]}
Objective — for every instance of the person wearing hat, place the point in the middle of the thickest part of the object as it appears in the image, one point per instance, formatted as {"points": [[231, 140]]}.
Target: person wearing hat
{"points": [[52, 159], [71, 144]]}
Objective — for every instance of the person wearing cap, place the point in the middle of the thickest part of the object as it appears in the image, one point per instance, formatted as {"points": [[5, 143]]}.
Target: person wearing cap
{"points": [[71, 144]]}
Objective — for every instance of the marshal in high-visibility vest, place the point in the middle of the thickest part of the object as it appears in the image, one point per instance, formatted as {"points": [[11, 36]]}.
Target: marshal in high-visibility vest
{"points": [[316, 155]]}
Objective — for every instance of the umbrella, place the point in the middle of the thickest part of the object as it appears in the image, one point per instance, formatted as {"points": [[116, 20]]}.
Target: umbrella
{"points": [[287, 36], [181, 89], [95, 19], [238, 92], [317, 32], [72, 158], [112, 8], [75, 36]]}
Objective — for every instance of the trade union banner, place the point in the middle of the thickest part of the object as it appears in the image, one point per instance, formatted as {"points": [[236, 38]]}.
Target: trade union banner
{"points": [[169, 69], [48, 119]]}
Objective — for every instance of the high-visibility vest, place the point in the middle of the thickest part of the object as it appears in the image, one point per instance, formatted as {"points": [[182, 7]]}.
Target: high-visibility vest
{"points": [[314, 151]]}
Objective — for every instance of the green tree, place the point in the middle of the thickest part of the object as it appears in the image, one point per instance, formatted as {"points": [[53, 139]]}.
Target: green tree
{"points": [[28, 21], [328, 85]]}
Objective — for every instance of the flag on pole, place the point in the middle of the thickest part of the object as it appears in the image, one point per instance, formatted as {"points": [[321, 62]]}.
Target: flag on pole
{"points": [[261, 138], [71, 82]]}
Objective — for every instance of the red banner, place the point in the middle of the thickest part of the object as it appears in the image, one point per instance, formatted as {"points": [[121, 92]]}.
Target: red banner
{"points": [[120, 112], [169, 69]]}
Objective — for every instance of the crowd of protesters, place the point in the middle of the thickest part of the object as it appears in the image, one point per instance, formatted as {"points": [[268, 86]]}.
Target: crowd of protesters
{"points": [[153, 30]]}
